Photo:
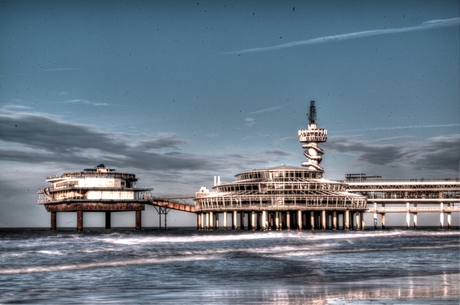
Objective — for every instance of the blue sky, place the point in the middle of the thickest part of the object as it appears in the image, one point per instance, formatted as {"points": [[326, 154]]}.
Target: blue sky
{"points": [[177, 92]]}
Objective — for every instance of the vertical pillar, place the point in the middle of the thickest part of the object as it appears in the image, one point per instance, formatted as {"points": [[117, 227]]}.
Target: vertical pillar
{"points": [[79, 220], [203, 221], [288, 220], [358, 221], [441, 216], [346, 225], [277, 221], [225, 220], [242, 220], [253, 220], [211, 220], [383, 220], [449, 220], [138, 220], [264, 220], [334, 220], [207, 221], [375, 215], [216, 224], [312, 220], [53, 221], [407, 215], [323, 220], [299, 220], [108, 221], [415, 220], [361, 216]]}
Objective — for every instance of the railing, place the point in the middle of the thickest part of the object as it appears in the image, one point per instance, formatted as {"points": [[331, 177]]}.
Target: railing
{"points": [[413, 209], [377, 180]]}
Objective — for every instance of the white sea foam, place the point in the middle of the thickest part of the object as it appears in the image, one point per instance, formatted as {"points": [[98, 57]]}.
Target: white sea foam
{"points": [[106, 264]]}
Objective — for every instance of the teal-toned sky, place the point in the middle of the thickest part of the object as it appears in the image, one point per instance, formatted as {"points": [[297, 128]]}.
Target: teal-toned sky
{"points": [[179, 91]]}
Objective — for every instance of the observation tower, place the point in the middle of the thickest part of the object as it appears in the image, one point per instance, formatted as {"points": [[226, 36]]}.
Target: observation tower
{"points": [[284, 196], [311, 137]]}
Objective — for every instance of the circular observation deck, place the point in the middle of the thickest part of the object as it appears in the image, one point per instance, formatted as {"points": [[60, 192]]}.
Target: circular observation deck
{"points": [[282, 188]]}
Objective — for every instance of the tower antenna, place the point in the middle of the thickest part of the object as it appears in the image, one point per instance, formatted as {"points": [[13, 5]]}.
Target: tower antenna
{"points": [[312, 113]]}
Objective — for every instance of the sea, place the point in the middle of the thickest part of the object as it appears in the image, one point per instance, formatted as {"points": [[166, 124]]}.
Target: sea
{"points": [[187, 266]]}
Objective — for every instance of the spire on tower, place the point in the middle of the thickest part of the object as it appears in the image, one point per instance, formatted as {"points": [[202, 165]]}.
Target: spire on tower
{"points": [[312, 113]]}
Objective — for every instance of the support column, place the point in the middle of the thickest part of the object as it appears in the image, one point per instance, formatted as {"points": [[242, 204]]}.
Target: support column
{"points": [[216, 224], [207, 221], [407, 215], [334, 220], [108, 222], [198, 221], [383, 220], [415, 220], [53, 221], [242, 220], [225, 220], [277, 221], [234, 220], [253, 220], [449, 220], [288, 220], [312, 220], [203, 221], [138, 220], [441, 216], [79, 220], [346, 225], [299, 220], [323, 220], [358, 221], [361, 216], [375, 215], [211, 220], [264, 221]]}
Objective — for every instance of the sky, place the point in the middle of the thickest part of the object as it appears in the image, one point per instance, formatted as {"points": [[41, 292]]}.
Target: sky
{"points": [[178, 92]]}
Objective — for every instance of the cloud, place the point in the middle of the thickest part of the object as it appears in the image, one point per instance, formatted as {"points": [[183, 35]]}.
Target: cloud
{"points": [[432, 24], [400, 127], [437, 153], [250, 121], [85, 102], [62, 69], [40, 138], [266, 110]]}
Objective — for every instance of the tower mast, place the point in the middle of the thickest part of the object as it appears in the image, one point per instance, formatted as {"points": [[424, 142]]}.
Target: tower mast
{"points": [[310, 138]]}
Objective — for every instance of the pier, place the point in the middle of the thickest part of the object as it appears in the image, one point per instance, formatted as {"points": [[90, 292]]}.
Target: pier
{"points": [[276, 198]]}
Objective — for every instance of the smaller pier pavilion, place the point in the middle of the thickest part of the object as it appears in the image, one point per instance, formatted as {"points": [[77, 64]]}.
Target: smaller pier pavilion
{"points": [[283, 197], [98, 189]]}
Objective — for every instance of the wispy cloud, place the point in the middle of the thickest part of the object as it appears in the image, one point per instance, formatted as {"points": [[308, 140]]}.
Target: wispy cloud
{"points": [[399, 127], [432, 24], [85, 102], [266, 110], [437, 153], [250, 121], [62, 69]]}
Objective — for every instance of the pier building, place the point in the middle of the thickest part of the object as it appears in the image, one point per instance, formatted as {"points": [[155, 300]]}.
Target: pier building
{"points": [[416, 196], [98, 189], [284, 196]]}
